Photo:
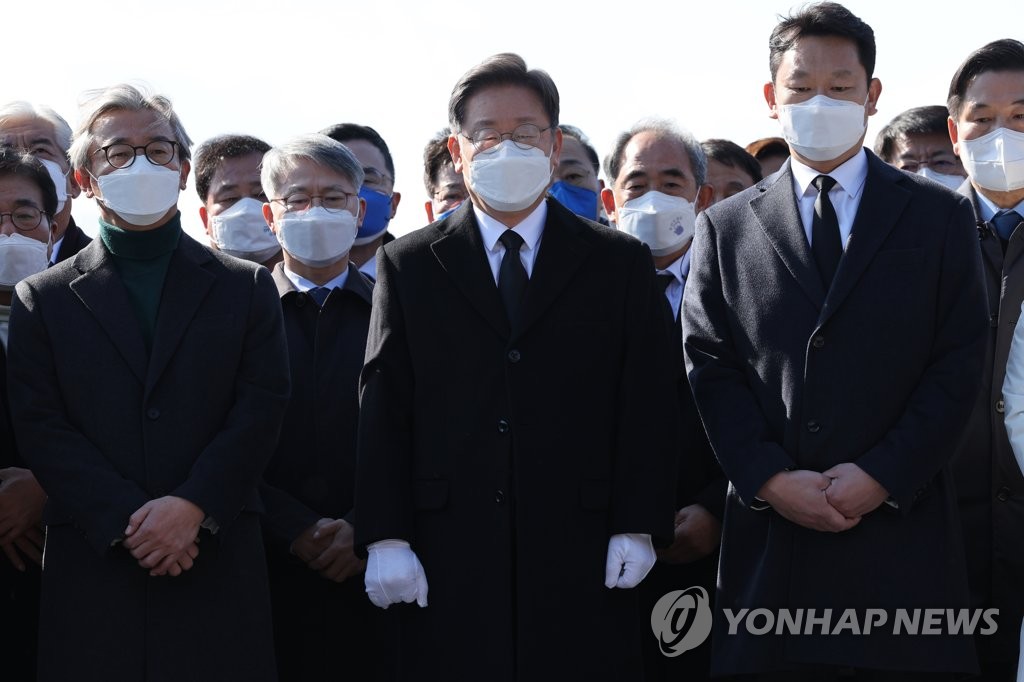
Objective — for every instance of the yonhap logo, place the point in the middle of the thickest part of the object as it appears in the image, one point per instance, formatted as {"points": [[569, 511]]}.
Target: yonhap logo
{"points": [[681, 620]]}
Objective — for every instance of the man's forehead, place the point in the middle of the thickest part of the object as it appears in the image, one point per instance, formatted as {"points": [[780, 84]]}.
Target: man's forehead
{"points": [[132, 123], [29, 129]]}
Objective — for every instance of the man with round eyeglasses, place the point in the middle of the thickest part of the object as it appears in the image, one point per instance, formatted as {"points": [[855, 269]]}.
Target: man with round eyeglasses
{"points": [[151, 431], [517, 442]]}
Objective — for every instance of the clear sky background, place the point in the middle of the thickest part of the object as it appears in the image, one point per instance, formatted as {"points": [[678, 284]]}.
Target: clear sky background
{"points": [[278, 69]]}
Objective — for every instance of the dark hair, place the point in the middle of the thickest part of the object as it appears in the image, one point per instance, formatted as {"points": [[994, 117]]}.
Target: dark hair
{"points": [[768, 146], [435, 157], [343, 132], [928, 120], [216, 150], [22, 164], [822, 19], [731, 154], [577, 134], [662, 129], [502, 69], [1000, 55]]}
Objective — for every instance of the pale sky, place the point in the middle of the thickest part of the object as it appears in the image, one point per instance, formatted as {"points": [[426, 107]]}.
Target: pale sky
{"points": [[279, 69]]}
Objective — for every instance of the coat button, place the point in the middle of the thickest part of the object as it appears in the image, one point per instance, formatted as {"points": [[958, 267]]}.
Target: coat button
{"points": [[813, 426], [499, 496], [153, 413], [1000, 406], [818, 341], [1003, 494], [514, 356], [503, 426]]}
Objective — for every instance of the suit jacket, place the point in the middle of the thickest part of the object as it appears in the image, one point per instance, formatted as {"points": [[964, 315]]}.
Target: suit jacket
{"points": [[312, 476], [881, 371], [74, 241], [106, 428], [989, 484], [507, 457]]}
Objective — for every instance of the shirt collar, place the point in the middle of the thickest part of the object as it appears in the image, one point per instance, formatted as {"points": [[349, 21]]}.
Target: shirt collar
{"points": [[988, 209], [680, 267], [850, 175], [529, 229], [302, 284]]}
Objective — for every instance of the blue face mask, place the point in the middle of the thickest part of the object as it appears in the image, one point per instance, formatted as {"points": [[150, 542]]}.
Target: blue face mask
{"points": [[579, 200], [378, 215], [447, 213]]}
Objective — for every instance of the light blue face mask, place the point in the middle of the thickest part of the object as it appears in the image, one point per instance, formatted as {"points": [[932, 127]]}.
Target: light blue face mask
{"points": [[579, 200], [453, 209], [378, 215]]}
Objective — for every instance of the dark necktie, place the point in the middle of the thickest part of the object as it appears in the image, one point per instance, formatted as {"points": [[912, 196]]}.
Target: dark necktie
{"points": [[665, 279], [319, 294], [512, 277], [1005, 223], [826, 244]]}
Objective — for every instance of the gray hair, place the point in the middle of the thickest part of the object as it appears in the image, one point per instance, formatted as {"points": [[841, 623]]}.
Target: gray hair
{"points": [[316, 147], [662, 128], [13, 111], [123, 97]]}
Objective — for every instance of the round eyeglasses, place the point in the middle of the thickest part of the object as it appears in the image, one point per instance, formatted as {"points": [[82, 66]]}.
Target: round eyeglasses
{"points": [[121, 155]]}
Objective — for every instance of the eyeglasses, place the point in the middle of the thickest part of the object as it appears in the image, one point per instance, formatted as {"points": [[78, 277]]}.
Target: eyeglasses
{"points": [[333, 202], [24, 218], [120, 155], [947, 166], [525, 136], [374, 178]]}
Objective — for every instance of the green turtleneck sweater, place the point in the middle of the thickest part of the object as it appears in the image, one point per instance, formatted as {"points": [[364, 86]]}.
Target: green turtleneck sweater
{"points": [[141, 259]]}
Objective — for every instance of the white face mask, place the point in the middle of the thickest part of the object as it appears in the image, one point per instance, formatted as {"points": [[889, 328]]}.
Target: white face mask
{"points": [[60, 182], [508, 178], [20, 256], [242, 232], [317, 237], [995, 161], [822, 128], [950, 181], [664, 222], [142, 193]]}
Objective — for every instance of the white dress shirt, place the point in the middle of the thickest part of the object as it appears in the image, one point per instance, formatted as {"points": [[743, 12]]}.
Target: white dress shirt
{"points": [[680, 269], [988, 210], [530, 229], [845, 195], [303, 284]]}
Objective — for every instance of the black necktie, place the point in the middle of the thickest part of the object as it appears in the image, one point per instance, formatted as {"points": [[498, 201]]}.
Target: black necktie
{"points": [[665, 279], [512, 277], [826, 244], [319, 294], [1005, 223]]}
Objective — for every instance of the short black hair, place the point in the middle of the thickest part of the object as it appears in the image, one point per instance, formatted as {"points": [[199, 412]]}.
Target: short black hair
{"points": [[435, 157], [14, 162], [730, 154], [344, 132], [822, 19], [768, 146], [216, 150], [502, 69], [928, 120], [577, 134], [1000, 55]]}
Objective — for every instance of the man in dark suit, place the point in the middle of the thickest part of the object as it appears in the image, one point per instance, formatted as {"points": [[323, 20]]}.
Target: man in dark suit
{"points": [[149, 432], [323, 620], [42, 132], [985, 110], [834, 333], [517, 439], [657, 175]]}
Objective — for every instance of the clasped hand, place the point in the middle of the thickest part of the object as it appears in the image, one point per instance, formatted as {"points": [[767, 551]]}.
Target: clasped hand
{"points": [[327, 547], [833, 501], [163, 535]]}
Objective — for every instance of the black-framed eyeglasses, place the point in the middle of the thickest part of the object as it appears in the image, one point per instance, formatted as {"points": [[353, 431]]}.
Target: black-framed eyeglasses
{"points": [[122, 155], [524, 136], [333, 202], [24, 218]]}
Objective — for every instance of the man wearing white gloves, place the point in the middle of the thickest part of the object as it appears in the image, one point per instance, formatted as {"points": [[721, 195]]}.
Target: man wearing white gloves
{"points": [[517, 440]]}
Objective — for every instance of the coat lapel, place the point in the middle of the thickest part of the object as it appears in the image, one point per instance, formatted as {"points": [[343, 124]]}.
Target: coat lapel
{"points": [[881, 206], [100, 290], [185, 287], [460, 251], [776, 211], [562, 251]]}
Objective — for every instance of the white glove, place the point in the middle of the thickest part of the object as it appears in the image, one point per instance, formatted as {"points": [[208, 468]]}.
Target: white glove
{"points": [[630, 558], [394, 574]]}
